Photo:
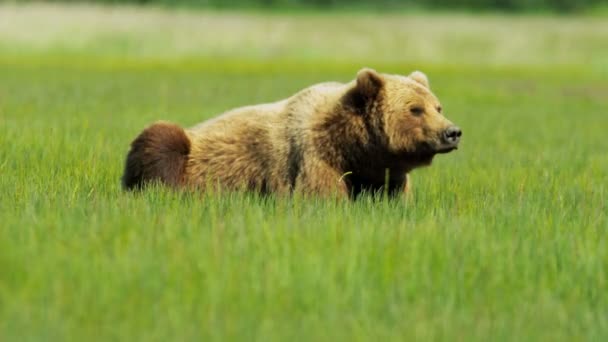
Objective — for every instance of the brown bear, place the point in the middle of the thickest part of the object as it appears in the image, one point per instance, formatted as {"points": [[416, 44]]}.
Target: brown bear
{"points": [[330, 138]]}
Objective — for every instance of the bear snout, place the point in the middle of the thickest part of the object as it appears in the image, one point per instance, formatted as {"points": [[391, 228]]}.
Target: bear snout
{"points": [[451, 135]]}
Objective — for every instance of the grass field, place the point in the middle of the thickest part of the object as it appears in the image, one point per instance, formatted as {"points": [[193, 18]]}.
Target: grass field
{"points": [[505, 239]]}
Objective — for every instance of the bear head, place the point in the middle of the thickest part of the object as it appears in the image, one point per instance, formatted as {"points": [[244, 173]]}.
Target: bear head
{"points": [[407, 118]]}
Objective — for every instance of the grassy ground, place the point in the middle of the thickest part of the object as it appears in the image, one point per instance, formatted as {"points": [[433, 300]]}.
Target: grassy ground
{"points": [[505, 239]]}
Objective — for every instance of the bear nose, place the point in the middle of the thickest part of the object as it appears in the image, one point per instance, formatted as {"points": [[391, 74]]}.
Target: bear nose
{"points": [[452, 134]]}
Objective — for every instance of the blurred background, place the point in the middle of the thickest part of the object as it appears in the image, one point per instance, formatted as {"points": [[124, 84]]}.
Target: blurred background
{"points": [[431, 32], [563, 6]]}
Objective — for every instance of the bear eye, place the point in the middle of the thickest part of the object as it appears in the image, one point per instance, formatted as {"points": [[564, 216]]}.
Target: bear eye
{"points": [[439, 109], [417, 110]]}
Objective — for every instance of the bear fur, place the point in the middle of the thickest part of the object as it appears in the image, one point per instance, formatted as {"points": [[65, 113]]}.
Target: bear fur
{"points": [[328, 139]]}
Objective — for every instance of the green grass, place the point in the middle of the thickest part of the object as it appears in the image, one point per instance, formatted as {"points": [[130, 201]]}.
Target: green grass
{"points": [[504, 239]]}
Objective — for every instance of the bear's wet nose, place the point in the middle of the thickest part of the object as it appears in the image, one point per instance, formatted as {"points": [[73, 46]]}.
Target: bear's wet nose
{"points": [[452, 134]]}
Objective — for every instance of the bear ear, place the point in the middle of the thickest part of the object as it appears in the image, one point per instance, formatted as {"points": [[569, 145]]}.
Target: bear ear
{"points": [[420, 78], [369, 82]]}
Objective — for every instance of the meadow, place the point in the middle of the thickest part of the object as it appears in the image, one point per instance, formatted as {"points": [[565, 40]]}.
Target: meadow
{"points": [[504, 239]]}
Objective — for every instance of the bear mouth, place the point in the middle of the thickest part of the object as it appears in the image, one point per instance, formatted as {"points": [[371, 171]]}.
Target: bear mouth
{"points": [[426, 151], [446, 149]]}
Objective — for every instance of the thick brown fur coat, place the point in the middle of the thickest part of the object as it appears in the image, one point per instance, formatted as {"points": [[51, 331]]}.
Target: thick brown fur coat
{"points": [[328, 139]]}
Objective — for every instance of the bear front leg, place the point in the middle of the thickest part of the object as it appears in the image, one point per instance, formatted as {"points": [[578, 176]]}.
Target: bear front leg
{"points": [[318, 178]]}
